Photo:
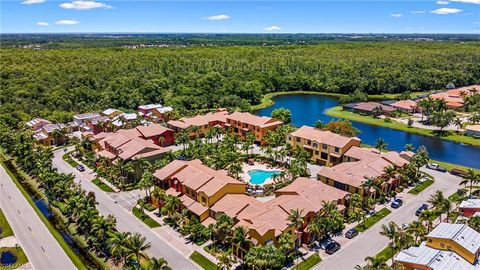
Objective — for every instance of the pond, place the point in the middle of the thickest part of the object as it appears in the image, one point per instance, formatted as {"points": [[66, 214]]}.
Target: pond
{"points": [[306, 109], [43, 207]]}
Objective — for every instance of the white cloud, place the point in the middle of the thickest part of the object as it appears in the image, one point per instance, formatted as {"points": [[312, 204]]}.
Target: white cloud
{"points": [[42, 24], [67, 22], [442, 2], [32, 2], [467, 1], [272, 28], [84, 5], [417, 11], [219, 17], [396, 15], [445, 11]]}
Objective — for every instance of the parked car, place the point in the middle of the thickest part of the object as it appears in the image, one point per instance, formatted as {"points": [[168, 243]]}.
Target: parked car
{"points": [[435, 166], [80, 168], [459, 172], [332, 247], [396, 203], [351, 233], [421, 209]]}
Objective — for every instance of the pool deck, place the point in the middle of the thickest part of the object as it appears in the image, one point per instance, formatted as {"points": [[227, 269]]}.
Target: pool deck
{"points": [[257, 166]]}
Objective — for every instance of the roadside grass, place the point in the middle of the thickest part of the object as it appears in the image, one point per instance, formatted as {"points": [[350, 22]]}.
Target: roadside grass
{"points": [[202, 261], [5, 228], [455, 197], [370, 221], [450, 166], [150, 222], [100, 184], [69, 160], [421, 187], [308, 263], [19, 254], [386, 253], [340, 113], [70, 253]]}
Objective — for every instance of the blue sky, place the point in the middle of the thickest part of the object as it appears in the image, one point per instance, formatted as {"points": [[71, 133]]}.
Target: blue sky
{"points": [[41, 16]]}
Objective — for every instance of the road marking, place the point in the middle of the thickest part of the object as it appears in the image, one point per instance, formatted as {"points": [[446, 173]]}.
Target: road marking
{"points": [[29, 228]]}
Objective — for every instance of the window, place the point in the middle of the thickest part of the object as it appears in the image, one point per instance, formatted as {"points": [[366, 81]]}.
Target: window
{"points": [[204, 201], [324, 156], [429, 240], [309, 142], [315, 145], [298, 139], [324, 146], [289, 138], [337, 149], [316, 152], [442, 245]]}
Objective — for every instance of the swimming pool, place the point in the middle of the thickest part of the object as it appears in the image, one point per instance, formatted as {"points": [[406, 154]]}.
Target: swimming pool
{"points": [[258, 177]]}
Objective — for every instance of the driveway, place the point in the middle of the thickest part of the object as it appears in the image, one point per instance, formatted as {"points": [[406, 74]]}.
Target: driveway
{"points": [[125, 220], [41, 248], [369, 243]]}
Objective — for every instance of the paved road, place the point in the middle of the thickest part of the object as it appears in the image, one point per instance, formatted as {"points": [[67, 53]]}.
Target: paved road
{"points": [[41, 248], [125, 220], [371, 242]]}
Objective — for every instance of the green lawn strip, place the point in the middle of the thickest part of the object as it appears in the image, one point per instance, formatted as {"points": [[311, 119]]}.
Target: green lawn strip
{"points": [[308, 263], [450, 166], [386, 254], [4, 226], [421, 187], [100, 184], [70, 253], [370, 221], [18, 252], [202, 261], [69, 159], [150, 222], [340, 113]]}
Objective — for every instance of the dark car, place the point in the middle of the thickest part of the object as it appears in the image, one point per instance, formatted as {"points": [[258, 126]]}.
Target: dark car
{"points": [[80, 168], [396, 203], [351, 233], [421, 209], [332, 247], [441, 169]]}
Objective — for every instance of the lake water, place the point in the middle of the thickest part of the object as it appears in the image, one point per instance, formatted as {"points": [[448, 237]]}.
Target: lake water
{"points": [[306, 109]]}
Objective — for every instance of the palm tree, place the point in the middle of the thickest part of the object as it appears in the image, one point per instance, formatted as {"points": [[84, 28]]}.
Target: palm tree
{"points": [[225, 261], [240, 239], [380, 144], [390, 231], [437, 200], [426, 105], [409, 147], [376, 263], [158, 264], [319, 124], [474, 223], [429, 216], [183, 138], [470, 178], [417, 229], [377, 111], [146, 182], [296, 220], [172, 203], [458, 123], [135, 247], [118, 243]]}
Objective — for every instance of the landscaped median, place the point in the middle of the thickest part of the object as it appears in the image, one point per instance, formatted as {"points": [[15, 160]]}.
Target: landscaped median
{"points": [[203, 261], [70, 160], [340, 113], [100, 184], [309, 262], [370, 221], [5, 229], [150, 222], [61, 241], [419, 188], [386, 253]]}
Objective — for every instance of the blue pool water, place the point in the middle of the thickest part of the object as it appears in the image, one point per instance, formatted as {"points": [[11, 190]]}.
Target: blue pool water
{"points": [[258, 177], [306, 109], [7, 258]]}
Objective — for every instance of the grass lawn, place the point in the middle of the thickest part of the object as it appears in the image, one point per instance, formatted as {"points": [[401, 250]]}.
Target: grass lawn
{"points": [[421, 187], [455, 197], [309, 263], [146, 219], [203, 261], [450, 166], [370, 221], [69, 251], [4, 226], [99, 183], [69, 159], [340, 113], [18, 252], [386, 254]]}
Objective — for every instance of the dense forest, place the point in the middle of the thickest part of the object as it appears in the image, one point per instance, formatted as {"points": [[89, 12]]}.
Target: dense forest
{"points": [[55, 83]]}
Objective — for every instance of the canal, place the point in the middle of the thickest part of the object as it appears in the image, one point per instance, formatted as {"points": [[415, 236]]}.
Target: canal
{"points": [[306, 109]]}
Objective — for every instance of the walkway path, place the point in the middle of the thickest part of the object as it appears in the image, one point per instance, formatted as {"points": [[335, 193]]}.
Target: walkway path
{"points": [[371, 242], [41, 248], [127, 222]]}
